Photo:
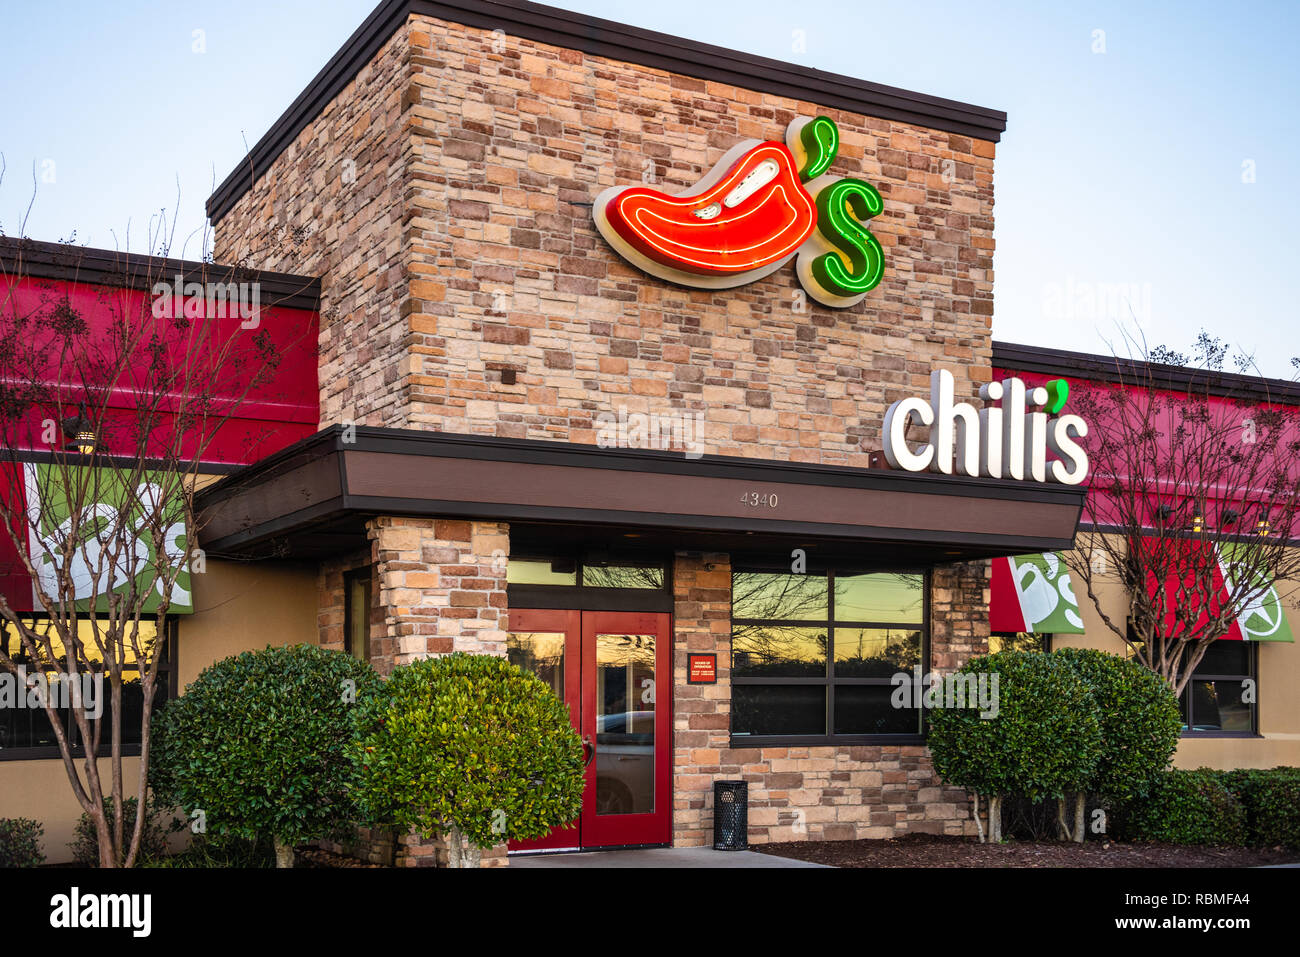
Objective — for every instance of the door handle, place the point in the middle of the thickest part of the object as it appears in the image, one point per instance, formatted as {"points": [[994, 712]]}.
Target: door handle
{"points": [[589, 750]]}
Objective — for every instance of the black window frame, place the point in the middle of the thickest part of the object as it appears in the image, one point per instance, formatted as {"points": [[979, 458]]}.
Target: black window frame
{"points": [[829, 681], [593, 597], [168, 669], [1185, 699], [367, 574]]}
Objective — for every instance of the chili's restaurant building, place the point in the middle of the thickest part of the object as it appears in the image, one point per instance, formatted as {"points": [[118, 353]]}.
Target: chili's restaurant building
{"points": [[613, 332]]}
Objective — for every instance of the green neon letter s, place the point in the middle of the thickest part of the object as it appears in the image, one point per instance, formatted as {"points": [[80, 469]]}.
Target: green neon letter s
{"points": [[837, 205]]}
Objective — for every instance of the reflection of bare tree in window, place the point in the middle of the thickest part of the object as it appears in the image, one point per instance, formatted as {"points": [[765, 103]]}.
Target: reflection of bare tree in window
{"points": [[875, 652], [880, 597], [778, 650], [540, 653], [776, 596], [623, 576]]}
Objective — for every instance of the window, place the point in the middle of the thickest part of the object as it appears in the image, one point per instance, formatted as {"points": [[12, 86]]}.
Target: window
{"points": [[1222, 697], [813, 656], [356, 613], [588, 574], [592, 582], [25, 730], [1216, 700], [1019, 641]]}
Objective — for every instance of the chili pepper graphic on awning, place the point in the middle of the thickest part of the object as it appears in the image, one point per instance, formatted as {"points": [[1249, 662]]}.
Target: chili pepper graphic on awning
{"points": [[750, 215]]}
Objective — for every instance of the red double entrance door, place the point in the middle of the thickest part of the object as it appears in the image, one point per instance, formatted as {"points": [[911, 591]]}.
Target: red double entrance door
{"points": [[614, 671]]}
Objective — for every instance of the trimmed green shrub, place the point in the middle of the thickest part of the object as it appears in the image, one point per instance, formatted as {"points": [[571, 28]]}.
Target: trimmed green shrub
{"points": [[1045, 741], [1140, 721], [469, 745], [20, 842], [1184, 807], [258, 743], [153, 839], [1272, 803]]}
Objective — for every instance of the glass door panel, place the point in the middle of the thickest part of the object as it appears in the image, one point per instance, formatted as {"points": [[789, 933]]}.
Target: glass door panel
{"points": [[548, 643], [625, 724], [627, 714]]}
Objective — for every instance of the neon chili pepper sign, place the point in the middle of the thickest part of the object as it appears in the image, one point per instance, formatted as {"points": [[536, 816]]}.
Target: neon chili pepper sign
{"points": [[762, 205]]}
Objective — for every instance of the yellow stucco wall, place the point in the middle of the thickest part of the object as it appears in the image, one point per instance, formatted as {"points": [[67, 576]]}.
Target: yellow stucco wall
{"points": [[241, 606], [237, 607]]}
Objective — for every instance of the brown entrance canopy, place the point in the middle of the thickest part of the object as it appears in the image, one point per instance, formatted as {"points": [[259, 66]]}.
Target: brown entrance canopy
{"points": [[313, 499]]}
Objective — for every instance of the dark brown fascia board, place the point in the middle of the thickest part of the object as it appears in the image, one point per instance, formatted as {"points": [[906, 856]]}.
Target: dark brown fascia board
{"points": [[971, 545], [545, 452], [605, 38], [1015, 357], [32, 258]]}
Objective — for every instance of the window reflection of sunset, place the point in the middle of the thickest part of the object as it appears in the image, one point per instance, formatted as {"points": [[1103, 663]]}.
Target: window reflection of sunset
{"points": [[145, 637]]}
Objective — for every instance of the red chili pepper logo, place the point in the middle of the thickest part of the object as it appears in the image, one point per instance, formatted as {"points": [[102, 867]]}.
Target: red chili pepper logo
{"points": [[750, 215], [754, 215]]}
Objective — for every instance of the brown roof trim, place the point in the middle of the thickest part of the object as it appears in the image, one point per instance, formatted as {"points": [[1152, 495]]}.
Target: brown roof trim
{"points": [[605, 38], [30, 258], [1083, 365], [327, 483]]}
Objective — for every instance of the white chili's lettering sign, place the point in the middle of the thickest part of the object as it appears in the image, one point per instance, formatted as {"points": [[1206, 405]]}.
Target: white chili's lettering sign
{"points": [[1010, 440]]}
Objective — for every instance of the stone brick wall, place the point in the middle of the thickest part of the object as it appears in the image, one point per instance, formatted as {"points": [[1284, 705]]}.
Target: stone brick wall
{"points": [[333, 205], [465, 247], [442, 588], [808, 793]]}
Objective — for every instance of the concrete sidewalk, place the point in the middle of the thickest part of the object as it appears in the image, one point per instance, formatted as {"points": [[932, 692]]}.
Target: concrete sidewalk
{"points": [[657, 857]]}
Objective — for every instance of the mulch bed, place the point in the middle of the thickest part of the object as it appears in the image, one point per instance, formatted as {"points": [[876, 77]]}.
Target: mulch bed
{"points": [[925, 850], [315, 857]]}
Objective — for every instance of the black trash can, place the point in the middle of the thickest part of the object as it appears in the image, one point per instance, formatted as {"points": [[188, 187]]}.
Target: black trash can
{"points": [[730, 816]]}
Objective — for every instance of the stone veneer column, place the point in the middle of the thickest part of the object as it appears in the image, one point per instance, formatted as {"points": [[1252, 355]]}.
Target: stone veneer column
{"points": [[701, 713], [442, 585], [959, 614], [442, 588]]}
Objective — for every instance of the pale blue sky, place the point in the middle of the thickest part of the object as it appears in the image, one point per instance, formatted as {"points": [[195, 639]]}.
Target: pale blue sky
{"points": [[1121, 168]]}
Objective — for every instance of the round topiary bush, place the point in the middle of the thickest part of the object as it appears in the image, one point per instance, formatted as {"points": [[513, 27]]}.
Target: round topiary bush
{"points": [[470, 746], [1184, 807], [1041, 741], [1140, 721], [258, 745]]}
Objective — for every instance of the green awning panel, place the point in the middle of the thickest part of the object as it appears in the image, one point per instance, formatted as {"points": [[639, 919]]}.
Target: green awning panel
{"points": [[1033, 593], [1264, 618], [112, 505]]}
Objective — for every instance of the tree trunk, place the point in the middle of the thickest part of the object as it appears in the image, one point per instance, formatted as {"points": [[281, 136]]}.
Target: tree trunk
{"points": [[995, 818], [1080, 813], [283, 854], [104, 836], [462, 853], [979, 824], [1062, 827]]}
